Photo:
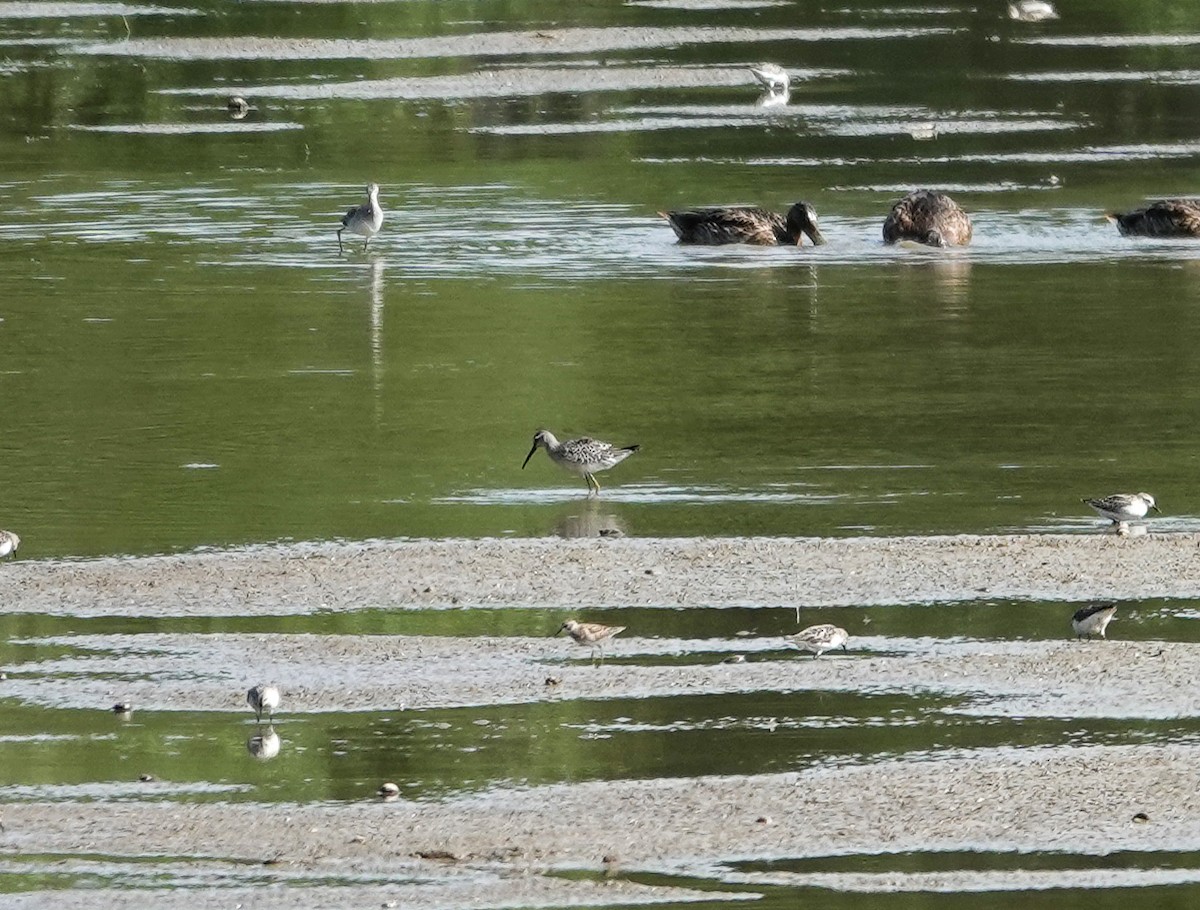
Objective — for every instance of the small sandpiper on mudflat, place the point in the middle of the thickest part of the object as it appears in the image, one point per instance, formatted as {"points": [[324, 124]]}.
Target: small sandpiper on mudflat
{"points": [[263, 699], [364, 220], [772, 77], [1093, 619], [818, 639], [1122, 508], [583, 456], [591, 635], [9, 543]]}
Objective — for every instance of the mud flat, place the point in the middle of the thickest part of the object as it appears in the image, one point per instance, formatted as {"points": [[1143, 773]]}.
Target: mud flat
{"points": [[546, 845], [625, 572]]}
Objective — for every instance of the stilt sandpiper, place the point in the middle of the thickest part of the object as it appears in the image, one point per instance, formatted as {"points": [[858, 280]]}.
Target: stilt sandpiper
{"points": [[818, 639], [583, 456]]}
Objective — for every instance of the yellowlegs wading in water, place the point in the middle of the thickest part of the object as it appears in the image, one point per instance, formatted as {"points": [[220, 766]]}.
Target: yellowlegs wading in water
{"points": [[1120, 508], [364, 220], [1093, 620], [1167, 218], [263, 699], [818, 639], [746, 224], [928, 217], [583, 456], [9, 543], [590, 635]]}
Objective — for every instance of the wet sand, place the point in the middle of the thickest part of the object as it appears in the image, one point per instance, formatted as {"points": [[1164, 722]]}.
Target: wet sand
{"points": [[625, 572], [504, 848]]}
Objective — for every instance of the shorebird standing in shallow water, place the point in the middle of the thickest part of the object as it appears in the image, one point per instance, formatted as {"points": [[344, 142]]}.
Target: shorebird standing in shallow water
{"points": [[8, 543], [364, 220], [263, 698], [1094, 619], [591, 635], [1167, 218], [583, 456], [1122, 508], [818, 639], [928, 217], [772, 76], [1031, 11]]}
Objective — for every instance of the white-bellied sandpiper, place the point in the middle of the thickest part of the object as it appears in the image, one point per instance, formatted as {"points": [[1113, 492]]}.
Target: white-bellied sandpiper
{"points": [[1122, 508], [1093, 619], [364, 220], [9, 542], [591, 635], [263, 699]]}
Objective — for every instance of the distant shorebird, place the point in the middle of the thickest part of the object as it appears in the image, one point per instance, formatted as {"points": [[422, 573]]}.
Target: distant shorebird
{"points": [[122, 708], [746, 224], [364, 220], [263, 699], [591, 635], [1093, 620], [1166, 218], [9, 543], [1031, 10], [583, 456], [772, 76], [237, 106], [818, 639], [1120, 508], [928, 217]]}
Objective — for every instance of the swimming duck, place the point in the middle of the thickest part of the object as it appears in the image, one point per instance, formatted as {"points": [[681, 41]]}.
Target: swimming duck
{"points": [[1166, 218], [928, 217], [745, 224]]}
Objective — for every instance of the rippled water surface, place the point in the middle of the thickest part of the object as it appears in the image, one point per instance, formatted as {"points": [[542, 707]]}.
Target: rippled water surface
{"points": [[188, 360]]}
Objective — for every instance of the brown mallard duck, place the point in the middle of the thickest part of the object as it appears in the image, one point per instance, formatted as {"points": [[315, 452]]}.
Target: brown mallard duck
{"points": [[1165, 218], [929, 217], [745, 224]]}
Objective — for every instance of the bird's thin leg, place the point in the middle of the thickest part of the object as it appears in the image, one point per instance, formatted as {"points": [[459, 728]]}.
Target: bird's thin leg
{"points": [[341, 249], [365, 242], [593, 484]]}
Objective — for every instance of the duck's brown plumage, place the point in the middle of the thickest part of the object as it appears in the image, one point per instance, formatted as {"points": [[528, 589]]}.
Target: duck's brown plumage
{"points": [[745, 224], [927, 216], [1166, 218]]}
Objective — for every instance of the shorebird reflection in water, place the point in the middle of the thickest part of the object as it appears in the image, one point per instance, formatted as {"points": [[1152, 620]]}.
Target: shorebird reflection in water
{"points": [[264, 745], [591, 635], [928, 217], [1121, 508], [1093, 620], [746, 224], [364, 220], [1166, 218], [583, 456], [263, 699], [818, 639]]}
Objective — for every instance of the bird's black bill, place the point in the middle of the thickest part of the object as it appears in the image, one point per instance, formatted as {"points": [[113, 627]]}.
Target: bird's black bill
{"points": [[529, 456]]}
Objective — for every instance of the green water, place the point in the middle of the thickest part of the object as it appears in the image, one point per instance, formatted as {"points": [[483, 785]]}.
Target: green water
{"points": [[186, 360]]}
